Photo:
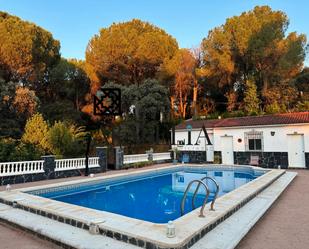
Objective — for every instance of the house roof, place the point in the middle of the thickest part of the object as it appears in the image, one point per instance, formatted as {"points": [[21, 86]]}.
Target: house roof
{"points": [[274, 119]]}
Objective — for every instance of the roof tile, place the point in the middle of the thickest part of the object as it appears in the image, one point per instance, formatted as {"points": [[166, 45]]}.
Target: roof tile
{"points": [[284, 118]]}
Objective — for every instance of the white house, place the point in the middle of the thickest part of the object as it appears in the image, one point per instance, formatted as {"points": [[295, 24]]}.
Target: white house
{"points": [[269, 140]]}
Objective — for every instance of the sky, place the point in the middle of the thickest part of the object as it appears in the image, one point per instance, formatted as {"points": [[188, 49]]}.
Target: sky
{"points": [[74, 22]]}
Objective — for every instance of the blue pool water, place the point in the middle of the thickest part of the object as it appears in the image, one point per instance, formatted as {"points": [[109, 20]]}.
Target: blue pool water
{"points": [[155, 198]]}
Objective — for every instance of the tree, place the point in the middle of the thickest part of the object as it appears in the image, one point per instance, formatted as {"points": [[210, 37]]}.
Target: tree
{"points": [[27, 51], [280, 98], [129, 52], [65, 93], [145, 108], [301, 82], [232, 100], [68, 80], [65, 140], [36, 132], [14, 150], [25, 102], [253, 46], [182, 69], [251, 101]]}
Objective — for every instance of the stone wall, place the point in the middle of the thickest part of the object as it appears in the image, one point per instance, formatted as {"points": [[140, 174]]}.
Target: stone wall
{"points": [[266, 159], [217, 157], [194, 156], [4, 180]]}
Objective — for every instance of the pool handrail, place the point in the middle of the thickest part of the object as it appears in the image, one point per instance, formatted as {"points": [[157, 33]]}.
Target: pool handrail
{"points": [[216, 194], [185, 196]]}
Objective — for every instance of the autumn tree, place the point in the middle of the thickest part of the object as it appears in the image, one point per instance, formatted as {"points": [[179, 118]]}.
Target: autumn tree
{"points": [[25, 101], [182, 68], [27, 51], [129, 52], [253, 46]]}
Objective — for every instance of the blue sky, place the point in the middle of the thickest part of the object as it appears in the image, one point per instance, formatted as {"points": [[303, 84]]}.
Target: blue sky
{"points": [[74, 22]]}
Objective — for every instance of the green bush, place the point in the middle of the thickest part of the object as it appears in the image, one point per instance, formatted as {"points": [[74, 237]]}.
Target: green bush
{"points": [[36, 132], [302, 106], [272, 108], [15, 150], [66, 140]]}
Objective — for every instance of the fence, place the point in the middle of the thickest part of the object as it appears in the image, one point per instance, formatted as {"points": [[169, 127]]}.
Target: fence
{"points": [[161, 156], [21, 168], [137, 158], [75, 163], [58, 165]]}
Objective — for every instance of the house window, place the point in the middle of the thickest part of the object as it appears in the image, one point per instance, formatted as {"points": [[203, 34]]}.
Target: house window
{"points": [[254, 141]]}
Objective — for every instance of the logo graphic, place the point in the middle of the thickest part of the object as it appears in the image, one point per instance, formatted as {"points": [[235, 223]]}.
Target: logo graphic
{"points": [[107, 101]]}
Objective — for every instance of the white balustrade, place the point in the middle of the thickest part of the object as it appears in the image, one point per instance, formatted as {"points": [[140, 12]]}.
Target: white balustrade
{"points": [[137, 158], [21, 168], [32, 167], [75, 163], [161, 156]]}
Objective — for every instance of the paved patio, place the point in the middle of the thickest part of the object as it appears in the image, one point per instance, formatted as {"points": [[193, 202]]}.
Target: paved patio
{"points": [[285, 225], [14, 238]]}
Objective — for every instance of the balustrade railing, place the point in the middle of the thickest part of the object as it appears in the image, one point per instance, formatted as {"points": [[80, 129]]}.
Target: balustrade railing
{"points": [[21, 168], [137, 158], [32, 167], [161, 156], [75, 163]]}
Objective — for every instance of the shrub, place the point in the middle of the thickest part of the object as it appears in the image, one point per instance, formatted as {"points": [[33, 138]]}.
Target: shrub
{"points": [[15, 150], [251, 101], [302, 106], [272, 108], [66, 140], [36, 132]]}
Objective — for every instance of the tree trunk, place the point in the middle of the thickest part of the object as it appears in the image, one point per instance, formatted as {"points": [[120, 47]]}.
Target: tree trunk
{"points": [[172, 105], [184, 107], [195, 89], [180, 104]]}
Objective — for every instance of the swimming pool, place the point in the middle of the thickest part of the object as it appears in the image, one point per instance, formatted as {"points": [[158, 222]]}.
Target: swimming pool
{"points": [[134, 206], [154, 197]]}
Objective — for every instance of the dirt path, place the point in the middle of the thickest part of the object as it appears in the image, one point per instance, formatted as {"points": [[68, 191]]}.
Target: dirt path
{"points": [[286, 224]]}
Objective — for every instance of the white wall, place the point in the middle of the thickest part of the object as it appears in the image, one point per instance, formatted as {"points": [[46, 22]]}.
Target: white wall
{"points": [[276, 143], [183, 135]]}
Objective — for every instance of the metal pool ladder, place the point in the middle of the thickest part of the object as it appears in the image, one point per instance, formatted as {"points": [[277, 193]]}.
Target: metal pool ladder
{"points": [[200, 182]]}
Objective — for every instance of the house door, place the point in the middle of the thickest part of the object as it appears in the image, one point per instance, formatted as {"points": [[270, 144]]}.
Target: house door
{"points": [[296, 151], [227, 150]]}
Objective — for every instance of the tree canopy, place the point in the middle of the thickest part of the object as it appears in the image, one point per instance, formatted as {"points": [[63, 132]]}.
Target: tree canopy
{"points": [[129, 52], [253, 46], [26, 50]]}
